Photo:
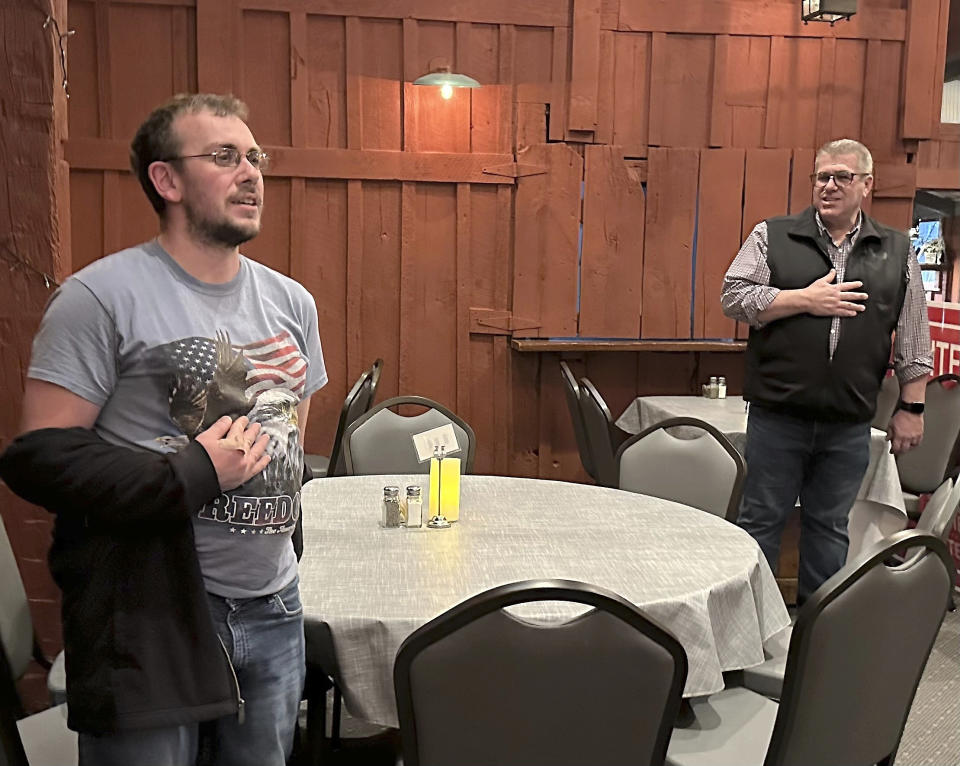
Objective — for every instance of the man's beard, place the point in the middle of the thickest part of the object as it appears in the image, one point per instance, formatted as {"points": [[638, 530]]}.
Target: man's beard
{"points": [[222, 233]]}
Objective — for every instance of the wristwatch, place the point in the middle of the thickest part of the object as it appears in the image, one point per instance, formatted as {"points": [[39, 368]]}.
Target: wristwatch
{"points": [[915, 407]]}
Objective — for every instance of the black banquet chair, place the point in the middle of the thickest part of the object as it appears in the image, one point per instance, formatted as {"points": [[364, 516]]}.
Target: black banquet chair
{"points": [[603, 435], [381, 441], [359, 400], [851, 674], [479, 685], [571, 390]]}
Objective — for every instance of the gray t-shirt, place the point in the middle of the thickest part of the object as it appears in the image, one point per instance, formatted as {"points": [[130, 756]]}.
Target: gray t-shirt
{"points": [[165, 356]]}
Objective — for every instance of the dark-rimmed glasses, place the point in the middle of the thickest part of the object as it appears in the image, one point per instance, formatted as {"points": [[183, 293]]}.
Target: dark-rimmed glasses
{"points": [[842, 178], [229, 157]]}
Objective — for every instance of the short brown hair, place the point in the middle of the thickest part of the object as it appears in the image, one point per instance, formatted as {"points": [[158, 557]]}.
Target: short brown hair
{"points": [[155, 139]]}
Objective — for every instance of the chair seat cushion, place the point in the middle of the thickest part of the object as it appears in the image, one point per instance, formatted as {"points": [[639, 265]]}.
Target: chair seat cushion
{"points": [[767, 678], [318, 464], [732, 728], [46, 739]]}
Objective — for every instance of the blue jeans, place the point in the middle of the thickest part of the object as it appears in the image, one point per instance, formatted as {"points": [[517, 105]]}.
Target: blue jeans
{"points": [[264, 637], [820, 462]]}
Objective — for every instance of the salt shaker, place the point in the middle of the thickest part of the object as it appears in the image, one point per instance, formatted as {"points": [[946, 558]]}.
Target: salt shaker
{"points": [[713, 387], [722, 388], [390, 513], [414, 506]]}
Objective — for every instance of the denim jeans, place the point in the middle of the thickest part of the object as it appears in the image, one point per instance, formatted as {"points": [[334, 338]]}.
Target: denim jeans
{"points": [[820, 462], [264, 638]]}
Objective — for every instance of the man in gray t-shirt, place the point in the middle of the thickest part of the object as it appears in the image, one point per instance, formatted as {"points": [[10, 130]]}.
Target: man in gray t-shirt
{"points": [[183, 341]]}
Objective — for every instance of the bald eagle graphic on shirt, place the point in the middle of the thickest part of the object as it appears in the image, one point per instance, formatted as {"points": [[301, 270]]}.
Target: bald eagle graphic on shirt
{"points": [[212, 377]]}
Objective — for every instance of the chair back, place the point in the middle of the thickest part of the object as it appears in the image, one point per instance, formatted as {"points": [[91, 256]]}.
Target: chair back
{"points": [[11, 746], [603, 437], [358, 401], [886, 402], [16, 625], [923, 468], [705, 472], [857, 652], [572, 392], [380, 441], [939, 512], [478, 685]]}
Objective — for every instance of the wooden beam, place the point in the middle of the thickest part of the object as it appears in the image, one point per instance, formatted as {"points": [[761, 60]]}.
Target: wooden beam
{"points": [[938, 178], [531, 13], [627, 345], [761, 18], [293, 162]]}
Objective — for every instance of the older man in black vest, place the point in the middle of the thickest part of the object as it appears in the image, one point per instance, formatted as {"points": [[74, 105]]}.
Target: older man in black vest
{"points": [[823, 291]]}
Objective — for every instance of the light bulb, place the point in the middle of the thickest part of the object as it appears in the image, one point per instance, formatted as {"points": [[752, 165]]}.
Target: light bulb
{"points": [[446, 91]]}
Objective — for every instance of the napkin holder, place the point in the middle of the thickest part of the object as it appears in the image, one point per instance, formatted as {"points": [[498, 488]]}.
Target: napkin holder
{"points": [[444, 498]]}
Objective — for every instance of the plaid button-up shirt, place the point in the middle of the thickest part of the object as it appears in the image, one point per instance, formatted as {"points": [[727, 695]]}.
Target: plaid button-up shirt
{"points": [[747, 292]]}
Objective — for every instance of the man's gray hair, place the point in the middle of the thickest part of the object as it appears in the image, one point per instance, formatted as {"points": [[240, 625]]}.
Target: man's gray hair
{"points": [[848, 146]]}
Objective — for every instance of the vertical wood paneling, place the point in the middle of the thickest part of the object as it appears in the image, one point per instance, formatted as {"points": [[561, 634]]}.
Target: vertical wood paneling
{"points": [[668, 248], [355, 262], [880, 127], [585, 67], [86, 217], [379, 281], [104, 94], [353, 45], [766, 187], [921, 75], [83, 106], [322, 266], [326, 82], [299, 78], [718, 237], [611, 270], [266, 76], [681, 82], [721, 113], [428, 292], [432, 123], [847, 81], [801, 188], [746, 86], [631, 94], [545, 244], [381, 72], [218, 41], [464, 279], [605, 95], [559, 75], [826, 92], [141, 33], [792, 92]]}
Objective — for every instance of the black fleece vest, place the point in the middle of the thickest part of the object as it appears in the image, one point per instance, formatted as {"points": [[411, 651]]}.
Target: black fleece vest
{"points": [[789, 368]]}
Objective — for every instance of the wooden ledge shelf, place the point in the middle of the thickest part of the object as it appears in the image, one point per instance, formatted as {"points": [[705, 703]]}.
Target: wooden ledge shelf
{"points": [[537, 344]]}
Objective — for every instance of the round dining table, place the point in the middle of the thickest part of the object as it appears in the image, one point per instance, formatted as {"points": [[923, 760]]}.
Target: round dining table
{"points": [[699, 576]]}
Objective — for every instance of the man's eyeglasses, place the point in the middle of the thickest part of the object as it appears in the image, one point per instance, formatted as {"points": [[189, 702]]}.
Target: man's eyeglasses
{"points": [[230, 156], [841, 178]]}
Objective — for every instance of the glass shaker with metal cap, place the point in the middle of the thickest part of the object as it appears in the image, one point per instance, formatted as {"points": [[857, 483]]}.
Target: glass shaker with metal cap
{"points": [[414, 506], [390, 507]]}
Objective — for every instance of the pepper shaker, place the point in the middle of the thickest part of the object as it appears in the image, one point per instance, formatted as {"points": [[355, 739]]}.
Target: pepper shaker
{"points": [[390, 507]]}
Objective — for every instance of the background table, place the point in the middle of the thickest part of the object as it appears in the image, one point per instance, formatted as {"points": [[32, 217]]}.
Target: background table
{"points": [[878, 510], [700, 576]]}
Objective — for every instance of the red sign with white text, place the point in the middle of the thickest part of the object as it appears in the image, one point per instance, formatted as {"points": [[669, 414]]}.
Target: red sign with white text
{"points": [[945, 344]]}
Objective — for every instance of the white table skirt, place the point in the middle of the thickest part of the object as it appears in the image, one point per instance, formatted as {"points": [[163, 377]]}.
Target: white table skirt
{"points": [[701, 577]]}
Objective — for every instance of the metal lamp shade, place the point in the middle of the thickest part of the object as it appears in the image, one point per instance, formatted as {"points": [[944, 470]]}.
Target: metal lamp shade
{"points": [[452, 79]]}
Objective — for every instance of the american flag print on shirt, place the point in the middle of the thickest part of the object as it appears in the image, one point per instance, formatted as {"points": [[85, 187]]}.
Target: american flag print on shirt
{"points": [[276, 363]]}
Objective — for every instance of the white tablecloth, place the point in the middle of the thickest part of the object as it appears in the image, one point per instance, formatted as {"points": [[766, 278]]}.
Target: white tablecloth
{"points": [[700, 576]]}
